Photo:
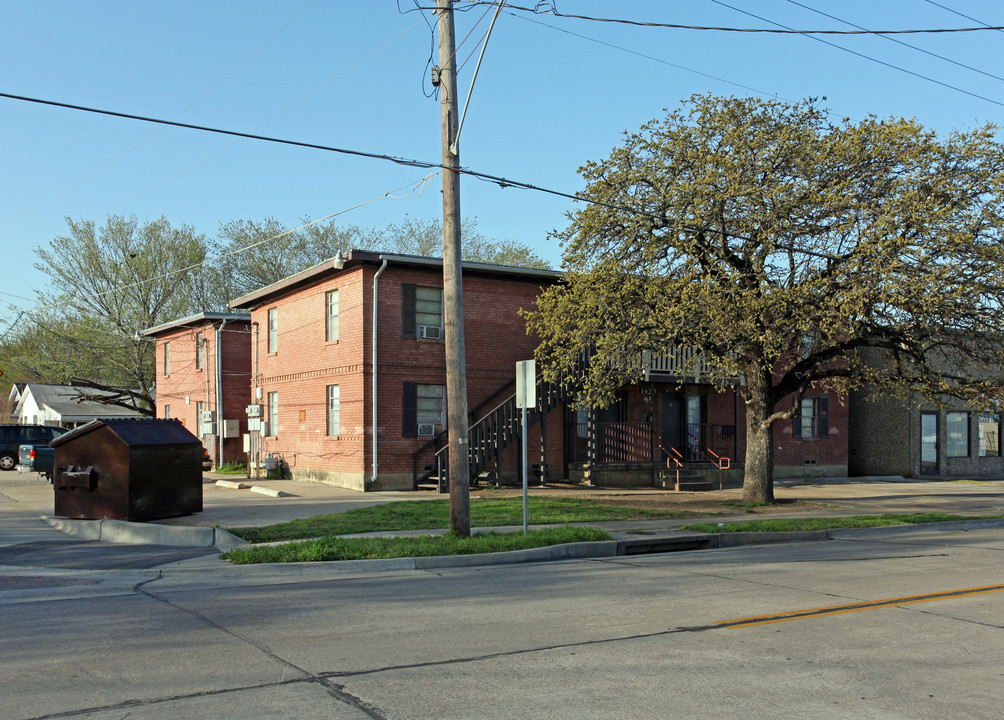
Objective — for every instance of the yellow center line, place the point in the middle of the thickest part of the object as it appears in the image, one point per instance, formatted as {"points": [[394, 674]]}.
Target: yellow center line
{"points": [[855, 607]]}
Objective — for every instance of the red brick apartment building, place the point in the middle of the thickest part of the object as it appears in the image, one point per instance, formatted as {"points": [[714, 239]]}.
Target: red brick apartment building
{"points": [[204, 377], [322, 412]]}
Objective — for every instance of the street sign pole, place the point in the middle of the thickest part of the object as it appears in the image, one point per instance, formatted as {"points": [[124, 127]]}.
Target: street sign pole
{"points": [[526, 397]]}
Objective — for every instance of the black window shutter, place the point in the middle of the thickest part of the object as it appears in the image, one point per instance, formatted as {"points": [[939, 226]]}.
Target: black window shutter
{"points": [[796, 428], [409, 408], [824, 422], [408, 309]]}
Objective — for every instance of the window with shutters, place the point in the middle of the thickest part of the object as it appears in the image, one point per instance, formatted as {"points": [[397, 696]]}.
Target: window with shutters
{"points": [[812, 419], [422, 409], [422, 311]]}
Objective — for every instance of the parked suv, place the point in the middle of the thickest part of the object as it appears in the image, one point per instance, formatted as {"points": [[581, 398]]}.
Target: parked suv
{"points": [[13, 436]]}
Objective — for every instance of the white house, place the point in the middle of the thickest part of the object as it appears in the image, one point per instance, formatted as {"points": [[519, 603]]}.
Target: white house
{"points": [[63, 406]]}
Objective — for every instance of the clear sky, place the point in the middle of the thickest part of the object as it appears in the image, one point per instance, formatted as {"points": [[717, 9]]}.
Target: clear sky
{"points": [[552, 93]]}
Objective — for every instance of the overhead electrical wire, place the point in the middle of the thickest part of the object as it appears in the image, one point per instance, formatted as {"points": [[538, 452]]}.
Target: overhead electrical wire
{"points": [[967, 17], [145, 140], [900, 42], [418, 187], [868, 57], [783, 31]]}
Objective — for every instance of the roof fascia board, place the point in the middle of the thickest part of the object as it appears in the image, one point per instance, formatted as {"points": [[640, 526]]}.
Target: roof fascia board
{"points": [[361, 257]]}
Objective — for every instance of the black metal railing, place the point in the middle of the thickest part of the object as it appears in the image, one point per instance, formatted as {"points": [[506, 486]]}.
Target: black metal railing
{"points": [[620, 442]]}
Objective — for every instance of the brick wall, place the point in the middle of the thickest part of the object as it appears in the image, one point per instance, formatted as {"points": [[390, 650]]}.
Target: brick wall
{"points": [[305, 364], [186, 385]]}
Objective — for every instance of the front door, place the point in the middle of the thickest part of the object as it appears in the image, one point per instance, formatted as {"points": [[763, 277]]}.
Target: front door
{"points": [[929, 443], [672, 423]]}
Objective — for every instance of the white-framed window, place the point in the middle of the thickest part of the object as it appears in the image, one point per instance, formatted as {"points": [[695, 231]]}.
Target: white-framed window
{"points": [[429, 405], [273, 414], [200, 349], [331, 316], [428, 307], [273, 329], [957, 434], [333, 410], [167, 412], [167, 358], [990, 435]]}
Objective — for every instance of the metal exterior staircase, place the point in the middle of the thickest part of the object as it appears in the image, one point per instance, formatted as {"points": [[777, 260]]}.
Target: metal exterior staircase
{"points": [[500, 428]]}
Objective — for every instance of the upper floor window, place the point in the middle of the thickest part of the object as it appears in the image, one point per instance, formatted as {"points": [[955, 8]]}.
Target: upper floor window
{"points": [[167, 412], [167, 358], [273, 329], [331, 315], [200, 348], [422, 311], [812, 419]]}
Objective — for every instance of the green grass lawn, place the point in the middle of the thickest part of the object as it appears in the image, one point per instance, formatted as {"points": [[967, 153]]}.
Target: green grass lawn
{"points": [[435, 514], [338, 548], [825, 523]]}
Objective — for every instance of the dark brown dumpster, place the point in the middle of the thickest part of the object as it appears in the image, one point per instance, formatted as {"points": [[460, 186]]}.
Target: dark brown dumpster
{"points": [[128, 470]]}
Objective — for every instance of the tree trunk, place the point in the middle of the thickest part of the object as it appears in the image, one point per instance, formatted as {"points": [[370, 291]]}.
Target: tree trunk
{"points": [[758, 482]]}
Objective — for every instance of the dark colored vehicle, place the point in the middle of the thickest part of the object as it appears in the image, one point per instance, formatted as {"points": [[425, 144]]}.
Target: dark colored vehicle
{"points": [[36, 458], [14, 436], [207, 462]]}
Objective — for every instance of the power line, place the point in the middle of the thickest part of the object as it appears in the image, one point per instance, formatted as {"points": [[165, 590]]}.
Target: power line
{"points": [[900, 42], [497, 180], [967, 17], [867, 57], [552, 10], [188, 107]]}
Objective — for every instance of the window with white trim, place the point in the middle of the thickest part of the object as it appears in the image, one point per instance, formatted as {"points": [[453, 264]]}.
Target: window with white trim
{"points": [[273, 329], [333, 410], [273, 414], [331, 316]]}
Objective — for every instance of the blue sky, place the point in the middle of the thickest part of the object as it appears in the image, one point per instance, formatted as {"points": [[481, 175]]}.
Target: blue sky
{"points": [[552, 94]]}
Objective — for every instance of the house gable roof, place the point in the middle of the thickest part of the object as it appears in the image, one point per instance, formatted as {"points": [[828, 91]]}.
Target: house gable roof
{"points": [[65, 401], [203, 318]]}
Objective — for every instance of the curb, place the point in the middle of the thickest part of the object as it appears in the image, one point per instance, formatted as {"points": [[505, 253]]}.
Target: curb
{"points": [[120, 531]]}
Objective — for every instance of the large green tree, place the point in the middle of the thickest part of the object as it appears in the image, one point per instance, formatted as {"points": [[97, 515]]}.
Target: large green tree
{"points": [[107, 283], [784, 245]]}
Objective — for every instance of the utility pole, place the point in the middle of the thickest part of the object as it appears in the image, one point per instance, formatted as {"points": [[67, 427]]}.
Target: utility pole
{"points": [[453, 303]]}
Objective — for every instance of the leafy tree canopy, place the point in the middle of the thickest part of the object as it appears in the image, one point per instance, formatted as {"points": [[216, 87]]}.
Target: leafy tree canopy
{"points": [[783, 245], [107, 284]]}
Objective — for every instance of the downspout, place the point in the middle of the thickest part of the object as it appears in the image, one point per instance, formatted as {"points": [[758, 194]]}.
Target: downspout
{"points": [[219, 390], [255, 436], [376, 285]]}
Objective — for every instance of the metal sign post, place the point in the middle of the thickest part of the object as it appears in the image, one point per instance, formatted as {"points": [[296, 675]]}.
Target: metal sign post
{"points": [[526, 397]]}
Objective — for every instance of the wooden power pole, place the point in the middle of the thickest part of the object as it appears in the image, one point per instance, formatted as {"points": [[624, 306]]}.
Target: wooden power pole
{"points": [[453, 303]]}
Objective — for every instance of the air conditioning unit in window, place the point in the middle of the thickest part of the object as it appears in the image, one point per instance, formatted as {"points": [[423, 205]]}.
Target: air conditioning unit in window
{"points": [[426, 429], [430, 332]]}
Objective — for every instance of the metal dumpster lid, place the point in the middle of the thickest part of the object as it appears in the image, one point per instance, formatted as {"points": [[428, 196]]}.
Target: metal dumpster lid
{"points": [[137, 432]]}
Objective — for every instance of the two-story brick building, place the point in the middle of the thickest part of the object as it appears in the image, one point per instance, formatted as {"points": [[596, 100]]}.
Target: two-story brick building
{"points": [[317, 337], [204, 377]]}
